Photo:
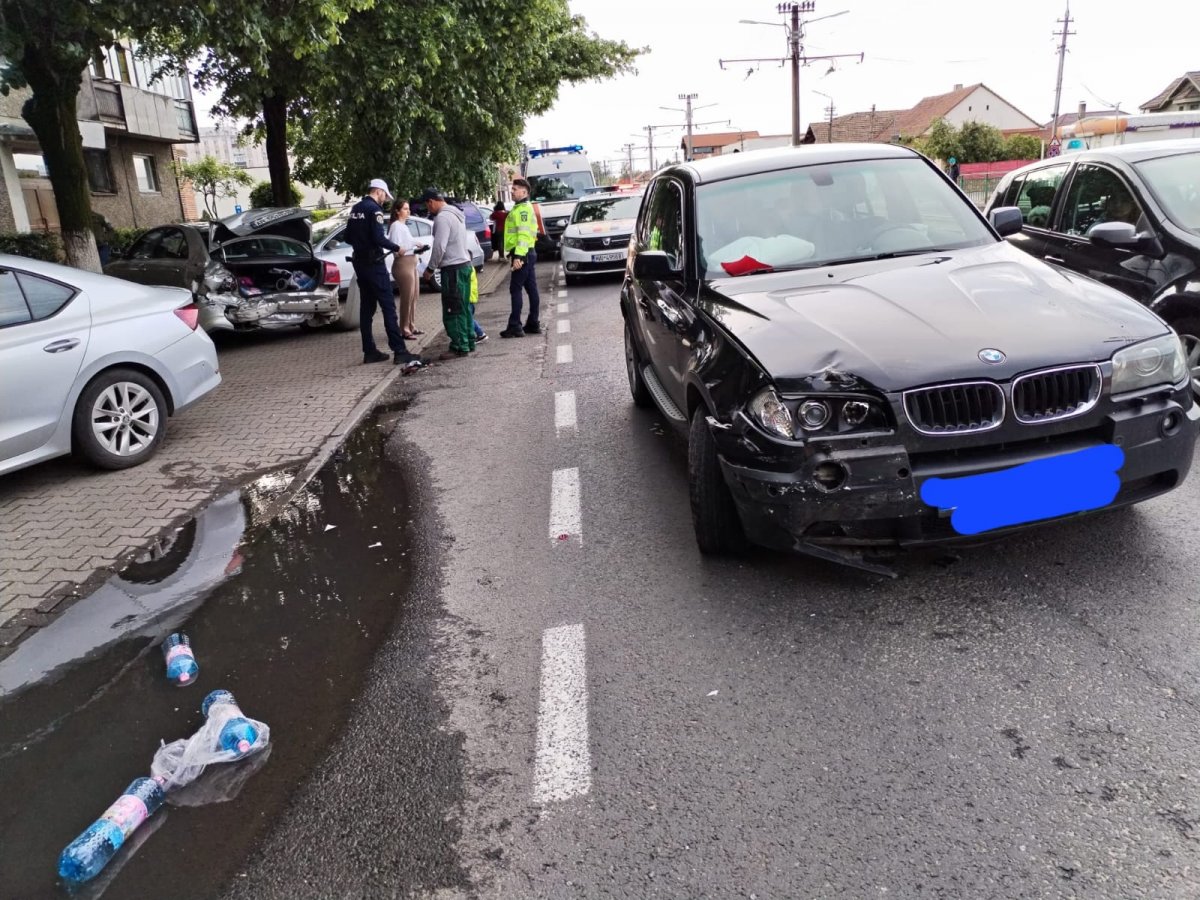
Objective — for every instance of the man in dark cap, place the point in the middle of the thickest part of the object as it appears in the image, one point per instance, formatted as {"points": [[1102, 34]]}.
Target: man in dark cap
{"points": [[366, 233], [450, 254]]}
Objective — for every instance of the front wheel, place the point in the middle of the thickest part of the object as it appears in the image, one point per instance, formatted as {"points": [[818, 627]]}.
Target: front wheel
{"points": [[714, 515], [120, 419], [1189, 332], [633, 368]]}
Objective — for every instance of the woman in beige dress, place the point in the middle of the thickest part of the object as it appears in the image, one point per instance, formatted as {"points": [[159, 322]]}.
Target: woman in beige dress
{"points": [[404, 268]]}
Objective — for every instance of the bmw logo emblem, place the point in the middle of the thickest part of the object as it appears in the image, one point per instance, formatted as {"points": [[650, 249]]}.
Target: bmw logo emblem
{"points": [[991, 355]]}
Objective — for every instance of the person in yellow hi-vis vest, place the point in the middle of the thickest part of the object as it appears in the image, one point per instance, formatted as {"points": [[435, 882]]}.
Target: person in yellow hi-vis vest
{"points": [[480, 334], [520, 235]]}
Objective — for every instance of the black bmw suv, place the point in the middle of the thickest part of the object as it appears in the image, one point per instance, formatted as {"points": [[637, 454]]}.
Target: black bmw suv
{"points": [[1127, 216], [861, 362]]}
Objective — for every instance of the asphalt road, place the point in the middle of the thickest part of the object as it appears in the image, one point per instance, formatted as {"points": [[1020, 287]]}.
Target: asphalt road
{"points": [[1019, 720], [568, 701]]}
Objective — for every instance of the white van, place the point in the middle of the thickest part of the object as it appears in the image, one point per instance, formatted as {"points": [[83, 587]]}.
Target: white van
{"points": [[558, 177]]}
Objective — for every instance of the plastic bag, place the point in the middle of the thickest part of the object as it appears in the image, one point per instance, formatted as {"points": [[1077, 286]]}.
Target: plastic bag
{"points": [[183, 761]]}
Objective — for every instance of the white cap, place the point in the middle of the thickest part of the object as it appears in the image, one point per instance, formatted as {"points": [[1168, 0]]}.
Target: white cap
{"points": [[382, 185]]}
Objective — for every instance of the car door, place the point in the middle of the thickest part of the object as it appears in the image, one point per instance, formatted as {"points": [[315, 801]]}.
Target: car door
{"points": [[172, 262], [422, 231], [1098, 193], [45, 327], [133, 266], [666, 315], [1034, 194]]}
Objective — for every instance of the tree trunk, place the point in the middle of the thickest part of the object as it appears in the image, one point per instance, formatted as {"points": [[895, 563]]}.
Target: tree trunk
{"points": [[275, 119], [50, 112]]}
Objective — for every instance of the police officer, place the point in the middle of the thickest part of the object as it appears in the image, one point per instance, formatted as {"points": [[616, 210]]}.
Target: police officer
{"points": [[520, 236], [366, 233]]}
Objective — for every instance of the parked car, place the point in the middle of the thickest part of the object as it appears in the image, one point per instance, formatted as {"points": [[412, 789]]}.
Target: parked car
{"points": [[845, 339], [478, 220], [252, 271], [1127, 216], [93, 364], [597, 240]]}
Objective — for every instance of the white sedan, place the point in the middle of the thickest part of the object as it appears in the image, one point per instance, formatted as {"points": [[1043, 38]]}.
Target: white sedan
{"points": [[94, 364]]}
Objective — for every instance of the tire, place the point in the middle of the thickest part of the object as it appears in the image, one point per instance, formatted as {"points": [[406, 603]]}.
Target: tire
{"points": [[633, 368], [714, 517], [133, 412], [1188, 328], [351, 310]]}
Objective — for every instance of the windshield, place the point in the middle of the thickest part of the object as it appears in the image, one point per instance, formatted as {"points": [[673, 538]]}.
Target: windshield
{"points": [[1175, 182], [608, 209], [830, 214], [559, 186], [321, 229]]}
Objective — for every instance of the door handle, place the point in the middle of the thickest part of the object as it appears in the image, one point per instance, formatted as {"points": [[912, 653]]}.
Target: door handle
{"points": [[60, 346], [669, 314], [1055, 259]]}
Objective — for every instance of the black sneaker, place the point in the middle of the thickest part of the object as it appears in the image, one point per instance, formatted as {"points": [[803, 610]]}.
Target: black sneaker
{"points": [[375, 356], [405, 359], [533, 328], [481, 338], [508, 332]]}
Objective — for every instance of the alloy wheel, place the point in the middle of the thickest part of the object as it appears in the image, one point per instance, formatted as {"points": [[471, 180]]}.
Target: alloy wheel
{"points": [[125, 419]]}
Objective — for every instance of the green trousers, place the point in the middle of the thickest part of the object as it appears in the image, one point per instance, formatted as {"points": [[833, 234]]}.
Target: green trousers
{"points": [[456, 309]]}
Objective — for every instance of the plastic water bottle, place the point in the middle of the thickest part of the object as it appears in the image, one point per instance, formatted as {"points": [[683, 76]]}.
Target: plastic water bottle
{"points": [[238, 733], [182, 667], [91, 851]]}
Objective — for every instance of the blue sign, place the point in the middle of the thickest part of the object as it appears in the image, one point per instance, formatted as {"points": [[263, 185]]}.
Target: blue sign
{"points": [[237, 208]]}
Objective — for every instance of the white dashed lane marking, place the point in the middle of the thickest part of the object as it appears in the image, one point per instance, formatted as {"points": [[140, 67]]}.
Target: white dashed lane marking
{"points": [[564, 308], [564, 410], [566, 524], [563, 767], [565, 353], [564, 326]]}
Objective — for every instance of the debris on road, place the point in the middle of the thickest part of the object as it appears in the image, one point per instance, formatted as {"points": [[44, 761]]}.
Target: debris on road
{"points": [[226, 735], [182, 667], [85, 856]]}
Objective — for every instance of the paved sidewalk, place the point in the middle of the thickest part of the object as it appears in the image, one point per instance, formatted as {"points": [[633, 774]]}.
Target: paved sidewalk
{"points": [[63, 524]]}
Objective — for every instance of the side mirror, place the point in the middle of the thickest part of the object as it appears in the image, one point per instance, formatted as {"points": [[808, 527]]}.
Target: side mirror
{"points": [[1007, 220], [349, 259], [654, 265], [1113, 234]]}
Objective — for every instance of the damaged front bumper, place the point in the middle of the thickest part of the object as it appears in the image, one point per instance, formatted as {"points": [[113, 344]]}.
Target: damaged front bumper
{"points": [[846, 498], [232, 312]]}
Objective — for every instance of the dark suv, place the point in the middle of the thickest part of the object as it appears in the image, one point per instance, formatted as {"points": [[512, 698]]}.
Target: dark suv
{"points": [[1127, 216], [860, 362]]}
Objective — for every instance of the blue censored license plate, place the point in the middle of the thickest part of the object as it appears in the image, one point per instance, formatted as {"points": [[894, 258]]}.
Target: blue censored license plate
{"points": [[607, 257], [1043, 489]]}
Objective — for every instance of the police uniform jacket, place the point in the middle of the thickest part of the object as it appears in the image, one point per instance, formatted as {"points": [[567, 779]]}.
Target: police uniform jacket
{"points": [[367, 234]]}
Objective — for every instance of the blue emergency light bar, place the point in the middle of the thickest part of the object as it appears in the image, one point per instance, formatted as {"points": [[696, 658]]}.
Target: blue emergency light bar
{"points": [[574, 148]]}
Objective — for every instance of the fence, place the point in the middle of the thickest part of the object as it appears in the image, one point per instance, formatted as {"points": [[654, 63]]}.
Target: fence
{"points": [[979, 187]]}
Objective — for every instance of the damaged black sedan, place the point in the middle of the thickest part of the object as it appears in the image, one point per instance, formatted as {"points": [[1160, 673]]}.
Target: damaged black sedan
{"points": [[861, 363]]}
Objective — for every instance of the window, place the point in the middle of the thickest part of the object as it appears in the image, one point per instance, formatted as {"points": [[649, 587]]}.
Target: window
{"points": [[1099, 195], [1035, 196], [99, 171], [147, 177], [13, 310], [665, 221], [143, 248], [1175, 181], [172, 246], [45, 298], [419, 229]]}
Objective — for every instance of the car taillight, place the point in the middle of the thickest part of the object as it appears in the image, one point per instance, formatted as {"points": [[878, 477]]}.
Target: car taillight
{"points": [[333, 275], [189, 315], [487, 233]]}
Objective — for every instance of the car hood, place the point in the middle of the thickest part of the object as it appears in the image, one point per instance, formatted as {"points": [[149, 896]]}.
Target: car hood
{"points": [[592, 229], [900, 323], [291, 223]]}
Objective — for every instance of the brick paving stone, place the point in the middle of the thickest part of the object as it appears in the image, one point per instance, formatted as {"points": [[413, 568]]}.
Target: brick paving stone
{"points": [[282, 395]]}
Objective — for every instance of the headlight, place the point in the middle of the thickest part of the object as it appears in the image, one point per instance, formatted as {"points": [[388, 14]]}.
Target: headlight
{"points": [[562, 222], [813, 415], [771, 414], [1150, 363], [572, 242]]}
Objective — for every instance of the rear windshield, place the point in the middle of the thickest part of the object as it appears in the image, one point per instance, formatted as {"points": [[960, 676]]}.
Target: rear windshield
{"points": [[474, 219], [830, 214], [1175, 183]]}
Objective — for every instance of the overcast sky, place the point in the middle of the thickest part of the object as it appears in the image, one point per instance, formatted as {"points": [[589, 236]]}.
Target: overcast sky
{"points": [[1123, 53]]}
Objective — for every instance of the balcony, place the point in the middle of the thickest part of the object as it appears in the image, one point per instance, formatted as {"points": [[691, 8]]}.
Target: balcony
{"points": [[109, 108], [137, 112]]}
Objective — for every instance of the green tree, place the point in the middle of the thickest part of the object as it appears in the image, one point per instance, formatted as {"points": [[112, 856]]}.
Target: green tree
{"points": [[941, 141], [980, 143], [45, 45], [213, 179], [264, 196], [263, 55], [396, 105], [1022, 146]]}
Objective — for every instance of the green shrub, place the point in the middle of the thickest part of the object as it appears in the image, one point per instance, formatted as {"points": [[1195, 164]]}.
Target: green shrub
{"points": [[319, 215], [122, 238], [263, 198], [33, 245]]}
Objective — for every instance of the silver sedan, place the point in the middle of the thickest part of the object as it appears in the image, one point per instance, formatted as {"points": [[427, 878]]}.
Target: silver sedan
{"points": [[94, 364]]}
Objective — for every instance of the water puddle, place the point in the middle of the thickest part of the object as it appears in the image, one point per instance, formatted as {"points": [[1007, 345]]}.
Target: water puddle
{"points": [[287, 615]]}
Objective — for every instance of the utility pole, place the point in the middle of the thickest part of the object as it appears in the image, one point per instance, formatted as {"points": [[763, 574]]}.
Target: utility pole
{"points": [[687, 111], [795, 34], [628, 148], [1062, 58]]}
